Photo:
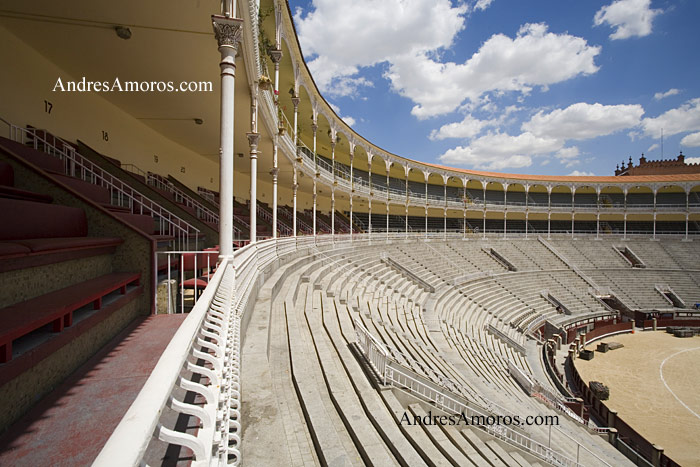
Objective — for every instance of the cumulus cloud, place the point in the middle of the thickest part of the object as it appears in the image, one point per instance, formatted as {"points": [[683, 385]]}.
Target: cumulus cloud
{"points": [[662, 95], [535, 57], [467, 128], [691, 141], [342, 37], [629, 18], [692, 160], [497, 151], [349, 120], [584, 121], [483, 4], [545, 134], [579, 173], [679, 120], [568, 156]]}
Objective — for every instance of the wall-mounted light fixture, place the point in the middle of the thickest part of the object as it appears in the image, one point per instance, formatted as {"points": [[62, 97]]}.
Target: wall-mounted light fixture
{"points": [[123, 32]]}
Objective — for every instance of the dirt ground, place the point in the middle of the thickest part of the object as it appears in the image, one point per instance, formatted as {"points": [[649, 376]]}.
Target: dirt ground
{"points": [[654, 385]]}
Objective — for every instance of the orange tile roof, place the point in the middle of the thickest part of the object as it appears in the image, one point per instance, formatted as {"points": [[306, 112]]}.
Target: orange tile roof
{"points": [[569, 178]]}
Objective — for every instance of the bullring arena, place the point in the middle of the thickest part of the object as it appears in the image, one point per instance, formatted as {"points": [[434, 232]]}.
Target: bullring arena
{"points": [[237, 277], [663, 402]]}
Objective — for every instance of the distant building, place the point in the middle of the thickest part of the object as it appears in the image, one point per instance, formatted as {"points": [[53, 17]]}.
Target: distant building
{"points": [[662, 167]]}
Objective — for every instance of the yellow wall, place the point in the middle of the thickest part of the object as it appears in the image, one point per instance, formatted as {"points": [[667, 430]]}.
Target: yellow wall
{"points": [[26, 81]]}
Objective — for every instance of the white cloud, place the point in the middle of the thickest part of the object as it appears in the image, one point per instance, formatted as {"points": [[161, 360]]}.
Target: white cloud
{"points": [[630, 18], [467, 128], [584, 121], [483, 4], [692, 160], [545, 134], [691, 141], [349, 120], [497, 151], [345, 36], [535, 57], [653, 147], [662, 95], [674, 121], [579, 173]]}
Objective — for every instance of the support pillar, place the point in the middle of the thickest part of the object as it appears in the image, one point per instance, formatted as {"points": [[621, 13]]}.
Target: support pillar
{"points": [[314, 128], [444, 217], [295, 186], [253, 141], [275, 56], [227, 32], [352, 183]]}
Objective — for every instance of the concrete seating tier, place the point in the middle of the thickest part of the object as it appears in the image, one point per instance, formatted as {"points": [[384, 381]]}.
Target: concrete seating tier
{"points": [[302, 370]]}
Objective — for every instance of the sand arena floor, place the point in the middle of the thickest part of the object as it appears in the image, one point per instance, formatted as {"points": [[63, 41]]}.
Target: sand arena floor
{"points": [[654, 385]]}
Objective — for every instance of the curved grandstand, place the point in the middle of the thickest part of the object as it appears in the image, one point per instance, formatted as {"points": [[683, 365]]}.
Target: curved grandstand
{"points": [[326, 302]]}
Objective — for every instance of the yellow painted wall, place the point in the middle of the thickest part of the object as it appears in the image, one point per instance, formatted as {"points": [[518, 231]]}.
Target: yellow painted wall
{"points": [[26, 81]]}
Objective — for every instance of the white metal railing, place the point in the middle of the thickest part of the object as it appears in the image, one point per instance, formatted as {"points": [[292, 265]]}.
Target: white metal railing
{"points": [[211, 334], [404, 379], [77, 166], [208, 195], [202, 212], [390, 372], [181, 277], [381, 191]]}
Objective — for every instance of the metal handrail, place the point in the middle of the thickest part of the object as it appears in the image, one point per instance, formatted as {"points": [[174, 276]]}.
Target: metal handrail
{"points": [[203, 213], [78, 166]]}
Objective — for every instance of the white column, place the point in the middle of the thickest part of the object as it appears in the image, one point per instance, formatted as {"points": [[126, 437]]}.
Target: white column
{"points": [[549, 212], [274, 172], [295, 102], [624, 226], [406, 170], [425, 176], [464, 202], [228, 35], [527, 209], [444, 213], [388, 196], [295, 185], [314, 128], [483, 185], [335, 183], [275, 56], [352, 183], [505, 209], [370, 156], [253, 141], [527, 215]]}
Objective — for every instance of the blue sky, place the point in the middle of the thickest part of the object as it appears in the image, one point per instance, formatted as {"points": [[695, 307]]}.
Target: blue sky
{"points": [[537, 86]]}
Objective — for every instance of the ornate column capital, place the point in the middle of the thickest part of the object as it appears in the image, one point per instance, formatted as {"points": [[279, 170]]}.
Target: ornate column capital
{"points": [[295, 102], [253, 138], [314, 127], [227, 31], [275, 55], [274, 171]]}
